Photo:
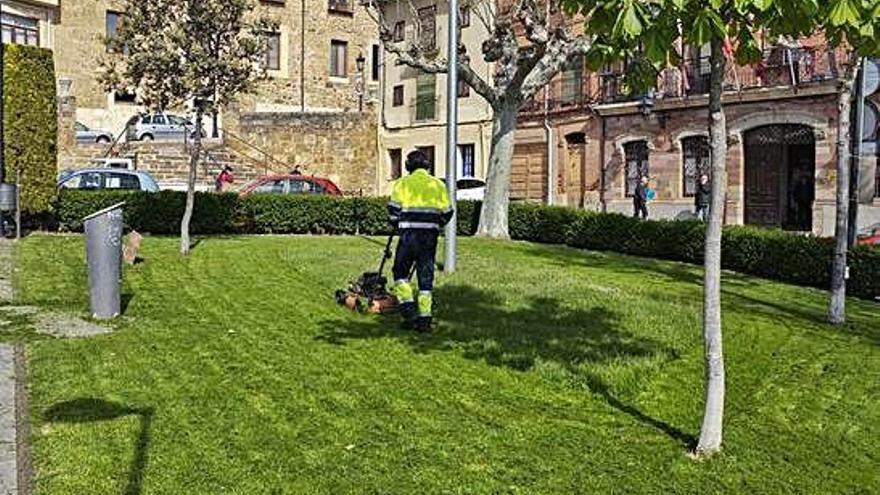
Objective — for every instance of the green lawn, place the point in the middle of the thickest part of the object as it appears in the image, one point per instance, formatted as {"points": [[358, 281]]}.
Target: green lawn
{"points": [[552, 371]]}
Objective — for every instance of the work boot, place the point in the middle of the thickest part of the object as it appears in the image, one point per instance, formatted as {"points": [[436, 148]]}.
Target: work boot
{"points": [[423, 324], [408, 312]]}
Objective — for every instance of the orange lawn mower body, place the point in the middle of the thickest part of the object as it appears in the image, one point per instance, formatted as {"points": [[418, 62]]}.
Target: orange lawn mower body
{"points": [[369, 293]]}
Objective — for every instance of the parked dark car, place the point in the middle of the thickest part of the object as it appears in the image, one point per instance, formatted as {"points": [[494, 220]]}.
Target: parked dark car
{"points": [[291, 184], [107, 178]]}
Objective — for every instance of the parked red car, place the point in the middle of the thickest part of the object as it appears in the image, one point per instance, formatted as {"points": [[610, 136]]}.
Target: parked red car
{"points": [[872, 238], [291, 184]]}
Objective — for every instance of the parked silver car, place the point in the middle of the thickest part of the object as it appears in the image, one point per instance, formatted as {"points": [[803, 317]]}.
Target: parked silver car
{"points": [[160, 126], [86, 135], [107, 178]]}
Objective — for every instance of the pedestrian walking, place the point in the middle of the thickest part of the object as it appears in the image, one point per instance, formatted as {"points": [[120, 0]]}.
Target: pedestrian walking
{"points": [[703, 198], [640, 198], [224, 179]]}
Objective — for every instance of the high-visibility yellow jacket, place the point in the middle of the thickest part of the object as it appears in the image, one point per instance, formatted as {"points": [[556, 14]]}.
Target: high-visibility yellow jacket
{"points": [[419, 201]]}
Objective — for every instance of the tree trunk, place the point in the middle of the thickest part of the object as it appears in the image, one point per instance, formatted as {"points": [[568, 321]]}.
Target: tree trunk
{"points": [[493, 217], [713, 415], [195, 153], [837, 307]]}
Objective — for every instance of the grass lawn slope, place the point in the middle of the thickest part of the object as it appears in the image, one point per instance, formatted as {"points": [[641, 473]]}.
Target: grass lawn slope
{"points": [[551, 371]]}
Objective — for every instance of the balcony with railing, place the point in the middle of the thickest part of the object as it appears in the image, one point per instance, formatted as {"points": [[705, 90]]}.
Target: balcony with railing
{"points": [[781, 67]]}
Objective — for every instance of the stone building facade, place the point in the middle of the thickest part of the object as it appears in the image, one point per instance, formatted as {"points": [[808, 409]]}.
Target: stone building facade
{"points": [[298, 78], [782, 133], [413, 106], [312, 74], [29, 22]]}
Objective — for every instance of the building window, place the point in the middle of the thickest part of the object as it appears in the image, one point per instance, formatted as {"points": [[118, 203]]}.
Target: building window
{"points": [[19, 30], [395, 158], [695, 153], [428, 28], [338, 58], [572, 81], [123, 96], [464, 16], [374, 63], [636, 157], [340, 6], [399, 31], [273, 51], [466, 159], [426, 100], [464, 89], [429, 152], [397, 97]]}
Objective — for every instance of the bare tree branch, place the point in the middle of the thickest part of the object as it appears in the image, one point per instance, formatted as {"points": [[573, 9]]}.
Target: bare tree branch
{"points": [[415, 55]]}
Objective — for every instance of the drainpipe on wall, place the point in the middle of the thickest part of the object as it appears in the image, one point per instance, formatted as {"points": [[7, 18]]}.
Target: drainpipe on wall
{"points": [[383, 124], [549, 136], [602, 203], [302, 57]]}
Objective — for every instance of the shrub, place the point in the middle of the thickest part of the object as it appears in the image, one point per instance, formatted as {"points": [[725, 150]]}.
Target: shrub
{"points": [[266, 213], [155, 213], [30, 124], [773, 254]]}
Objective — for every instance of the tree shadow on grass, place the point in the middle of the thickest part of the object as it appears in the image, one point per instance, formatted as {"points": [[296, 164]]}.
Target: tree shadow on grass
{"points": [[741, 293], [88, 410], [477, 324]]}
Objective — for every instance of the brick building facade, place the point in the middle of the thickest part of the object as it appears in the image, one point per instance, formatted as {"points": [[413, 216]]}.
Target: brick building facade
{"points": [[782, 133]]}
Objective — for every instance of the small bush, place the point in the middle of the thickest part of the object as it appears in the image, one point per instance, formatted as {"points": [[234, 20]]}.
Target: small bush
{"points": [[155, 213], [30, 124], [768, 253]]}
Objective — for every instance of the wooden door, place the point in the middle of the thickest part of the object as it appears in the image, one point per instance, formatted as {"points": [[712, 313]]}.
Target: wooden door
{"points": [[528, 175], [765, 158]]}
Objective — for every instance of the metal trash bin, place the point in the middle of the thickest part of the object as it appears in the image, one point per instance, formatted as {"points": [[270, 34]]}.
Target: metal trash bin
{"points": [[104, 257], [8, 197]]}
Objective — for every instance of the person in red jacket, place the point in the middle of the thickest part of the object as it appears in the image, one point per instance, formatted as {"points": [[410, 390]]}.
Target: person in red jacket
{"points": [[224, 179]]}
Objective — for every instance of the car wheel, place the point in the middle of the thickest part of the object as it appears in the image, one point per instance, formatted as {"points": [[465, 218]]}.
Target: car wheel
{"points": [[102, 139], [147, 137]]}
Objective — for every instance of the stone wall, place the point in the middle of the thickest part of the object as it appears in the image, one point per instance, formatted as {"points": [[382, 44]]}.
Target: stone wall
{"points": [[167, 162], [303, 78], [341, 146]]}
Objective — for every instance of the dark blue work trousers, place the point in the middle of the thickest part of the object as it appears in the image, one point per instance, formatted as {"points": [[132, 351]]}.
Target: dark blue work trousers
{"points": [[416, 247]]}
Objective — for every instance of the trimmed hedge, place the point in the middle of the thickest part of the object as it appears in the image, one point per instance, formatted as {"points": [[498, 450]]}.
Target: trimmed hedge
{"points": [[768, 253], [30, 124]]}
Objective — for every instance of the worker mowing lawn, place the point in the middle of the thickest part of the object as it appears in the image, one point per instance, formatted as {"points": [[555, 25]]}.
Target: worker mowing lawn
{"points": [[419, 207]]}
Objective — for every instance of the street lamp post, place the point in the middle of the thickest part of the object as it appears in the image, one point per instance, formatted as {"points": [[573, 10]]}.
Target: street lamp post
{"points": [[359, 80], [452, 133]]}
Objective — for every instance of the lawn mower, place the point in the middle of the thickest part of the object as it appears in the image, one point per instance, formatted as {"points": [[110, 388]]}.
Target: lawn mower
{"points": [[369, 293]]}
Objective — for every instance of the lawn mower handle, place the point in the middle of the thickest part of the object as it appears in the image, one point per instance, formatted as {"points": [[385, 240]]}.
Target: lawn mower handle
{"points": [[387, 254]]}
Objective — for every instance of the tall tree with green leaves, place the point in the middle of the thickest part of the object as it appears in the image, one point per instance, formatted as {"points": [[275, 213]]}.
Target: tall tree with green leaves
{"points": [[177, 52], [855, 26], [646, 32]]}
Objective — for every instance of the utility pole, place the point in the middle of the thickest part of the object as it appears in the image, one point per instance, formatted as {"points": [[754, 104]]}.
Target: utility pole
{"points": [[452, 133], [2, 115]]}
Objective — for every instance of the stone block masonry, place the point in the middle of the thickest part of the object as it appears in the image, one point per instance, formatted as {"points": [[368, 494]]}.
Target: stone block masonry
{"points": [[341, 146], [168, 162]]}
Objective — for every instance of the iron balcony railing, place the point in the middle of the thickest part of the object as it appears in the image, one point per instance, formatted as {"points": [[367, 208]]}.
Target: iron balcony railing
{"points": [[780, 66]]}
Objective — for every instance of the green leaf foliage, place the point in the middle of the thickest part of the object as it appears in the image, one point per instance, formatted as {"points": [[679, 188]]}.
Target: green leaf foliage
{"points": [[30, 124]]}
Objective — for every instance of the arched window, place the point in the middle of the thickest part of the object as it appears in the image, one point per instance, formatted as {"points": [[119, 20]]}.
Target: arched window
{"points": [[636, 156], [695, 156]]}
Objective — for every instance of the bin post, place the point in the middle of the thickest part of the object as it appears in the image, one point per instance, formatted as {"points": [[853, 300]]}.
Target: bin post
{"points": [[104, 257]]}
